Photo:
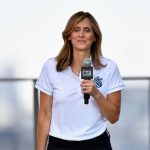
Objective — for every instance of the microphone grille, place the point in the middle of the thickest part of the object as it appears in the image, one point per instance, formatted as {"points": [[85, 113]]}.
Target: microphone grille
{"points": [[87, 62]]}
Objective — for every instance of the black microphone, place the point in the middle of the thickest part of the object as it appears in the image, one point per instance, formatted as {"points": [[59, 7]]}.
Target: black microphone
{"points": [[86, 74]]}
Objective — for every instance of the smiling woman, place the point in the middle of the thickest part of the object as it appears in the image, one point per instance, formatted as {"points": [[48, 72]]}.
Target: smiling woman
{"points": [[82, 36], [84, 30], [63, 117]]}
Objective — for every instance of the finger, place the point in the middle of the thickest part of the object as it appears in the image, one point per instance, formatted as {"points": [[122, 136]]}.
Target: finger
{"points": [[85, 81], [86, 89]]}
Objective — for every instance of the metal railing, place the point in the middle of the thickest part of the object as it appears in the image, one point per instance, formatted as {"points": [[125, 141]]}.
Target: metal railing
{"points": [[36, 103], [35, 100]]}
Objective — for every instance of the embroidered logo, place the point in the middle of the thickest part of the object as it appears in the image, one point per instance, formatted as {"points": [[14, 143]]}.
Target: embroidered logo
{"points": [[98, 81]]}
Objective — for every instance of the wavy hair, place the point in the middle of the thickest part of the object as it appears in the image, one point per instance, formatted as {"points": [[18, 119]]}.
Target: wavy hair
{"points": [[65, 56]]}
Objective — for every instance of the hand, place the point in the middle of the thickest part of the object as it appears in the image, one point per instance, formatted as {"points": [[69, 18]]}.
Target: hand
{"points": [[88, 86]]}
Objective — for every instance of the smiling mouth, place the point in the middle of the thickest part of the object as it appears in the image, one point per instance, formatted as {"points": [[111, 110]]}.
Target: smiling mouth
{"points": [[81, 41]]}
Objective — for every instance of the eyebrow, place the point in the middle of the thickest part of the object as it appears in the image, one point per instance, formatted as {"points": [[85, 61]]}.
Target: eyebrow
{"points": [[86, 27]]}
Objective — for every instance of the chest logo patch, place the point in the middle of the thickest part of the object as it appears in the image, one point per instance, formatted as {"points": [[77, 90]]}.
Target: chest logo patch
{"points": [[98, 81]]}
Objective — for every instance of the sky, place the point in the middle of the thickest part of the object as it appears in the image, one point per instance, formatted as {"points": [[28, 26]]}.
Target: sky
{"points": [[30, 33]]}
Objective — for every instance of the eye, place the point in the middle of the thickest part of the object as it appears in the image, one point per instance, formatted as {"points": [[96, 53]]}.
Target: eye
{"points": [[87, 29], [76, 29]]}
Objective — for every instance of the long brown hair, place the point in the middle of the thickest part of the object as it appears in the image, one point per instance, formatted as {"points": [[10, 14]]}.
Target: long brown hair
{"points": [[65, 56]]}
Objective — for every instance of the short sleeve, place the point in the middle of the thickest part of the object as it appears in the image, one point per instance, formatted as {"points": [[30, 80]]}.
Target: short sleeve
{"points": [[44, 82], [115, 82]]}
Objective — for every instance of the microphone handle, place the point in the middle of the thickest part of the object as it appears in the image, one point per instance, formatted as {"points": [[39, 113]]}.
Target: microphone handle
{"points": [[86, 98]]}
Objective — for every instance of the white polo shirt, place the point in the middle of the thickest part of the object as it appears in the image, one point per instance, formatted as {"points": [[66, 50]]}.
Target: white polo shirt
{"points": [[71, 118]]}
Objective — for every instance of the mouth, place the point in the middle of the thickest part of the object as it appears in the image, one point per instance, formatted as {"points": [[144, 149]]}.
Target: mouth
{"points": [[81, 41]]}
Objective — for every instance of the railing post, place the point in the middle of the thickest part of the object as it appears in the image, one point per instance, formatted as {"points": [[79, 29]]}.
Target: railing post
{"points": [[149, 111], [36, 107]]}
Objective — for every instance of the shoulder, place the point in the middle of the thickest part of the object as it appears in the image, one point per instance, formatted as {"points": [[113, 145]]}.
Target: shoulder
{"points": [[49, 65], [110, 64], [51, 62]]}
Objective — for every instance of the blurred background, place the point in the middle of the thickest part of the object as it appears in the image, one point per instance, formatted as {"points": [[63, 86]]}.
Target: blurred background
{"points": [[30, 33]]}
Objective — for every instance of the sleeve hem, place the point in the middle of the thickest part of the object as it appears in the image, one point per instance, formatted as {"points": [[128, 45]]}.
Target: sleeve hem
{"points": [[116, 89], [40, 88]]}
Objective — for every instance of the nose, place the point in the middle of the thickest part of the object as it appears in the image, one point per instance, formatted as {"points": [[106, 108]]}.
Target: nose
{"points": [[81, 34]]}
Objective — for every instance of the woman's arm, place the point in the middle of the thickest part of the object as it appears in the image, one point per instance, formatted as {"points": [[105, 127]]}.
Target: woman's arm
{"points": [[44, 119], [110, 106]]}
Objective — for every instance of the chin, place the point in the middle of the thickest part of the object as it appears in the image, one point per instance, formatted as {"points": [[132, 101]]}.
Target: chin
{"points": [[83, 48]]}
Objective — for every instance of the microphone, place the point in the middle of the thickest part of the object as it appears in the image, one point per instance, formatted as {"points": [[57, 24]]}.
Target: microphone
{"points": [[86, 74]]}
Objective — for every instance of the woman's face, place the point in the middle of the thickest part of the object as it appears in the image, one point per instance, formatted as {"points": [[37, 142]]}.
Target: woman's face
{"points": [[82, 36]]}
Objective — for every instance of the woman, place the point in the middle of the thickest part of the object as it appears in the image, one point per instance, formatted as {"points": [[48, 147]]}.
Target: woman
{"points": [[63, 119]]}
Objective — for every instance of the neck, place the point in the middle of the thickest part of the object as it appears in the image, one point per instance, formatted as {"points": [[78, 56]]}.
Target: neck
{"points": [[79, 56], [77, 61]]}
